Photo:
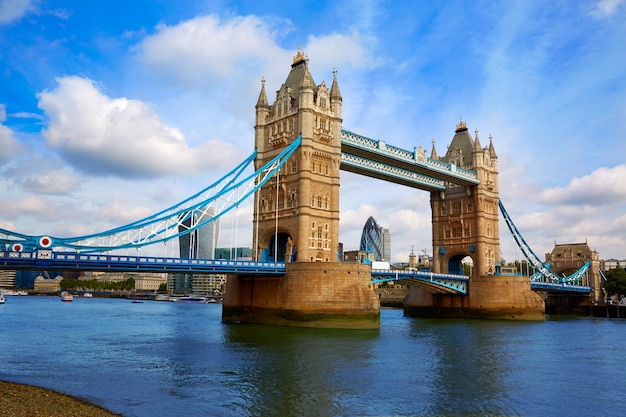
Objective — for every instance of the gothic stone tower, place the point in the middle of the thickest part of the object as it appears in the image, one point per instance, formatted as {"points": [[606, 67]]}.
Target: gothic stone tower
{"points": [[465, 223], [296, 218], [305, 194], [465, 219]]}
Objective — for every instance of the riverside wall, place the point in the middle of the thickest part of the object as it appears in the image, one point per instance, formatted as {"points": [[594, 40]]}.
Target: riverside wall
{"points": [[310, 294], [489, 297]]}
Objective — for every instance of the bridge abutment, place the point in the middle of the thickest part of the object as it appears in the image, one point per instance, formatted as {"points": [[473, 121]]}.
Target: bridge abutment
{"points": [[489, 297], [318, 294]]}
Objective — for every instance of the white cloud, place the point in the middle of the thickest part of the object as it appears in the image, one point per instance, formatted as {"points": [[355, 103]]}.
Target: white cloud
{"points": [[336, 49], [13, 10], [119, 136], [9, 146], [205, 50], [52, 182], [605, 8], [604, 186]]}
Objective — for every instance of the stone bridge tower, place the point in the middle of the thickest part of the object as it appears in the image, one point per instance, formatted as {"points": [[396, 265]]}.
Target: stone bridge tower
{"points": [[296, 213], [465, 219], [567, 258]]}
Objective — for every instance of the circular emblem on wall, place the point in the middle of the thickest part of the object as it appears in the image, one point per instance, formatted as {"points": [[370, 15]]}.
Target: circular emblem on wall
{"points": [[45, 241]]}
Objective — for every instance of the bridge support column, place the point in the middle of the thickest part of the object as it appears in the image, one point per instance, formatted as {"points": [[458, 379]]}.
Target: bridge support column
{"points": [[489, 297], [321, 295]]}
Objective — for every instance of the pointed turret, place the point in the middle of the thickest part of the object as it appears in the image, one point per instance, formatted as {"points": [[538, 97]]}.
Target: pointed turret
{"points": [[492, 150], [262, 101], [262, 114], [477, 147], [335, 96], [433, 152]]}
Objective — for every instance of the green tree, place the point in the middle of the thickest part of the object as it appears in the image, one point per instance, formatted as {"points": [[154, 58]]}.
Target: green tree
{"points": [[616, 282]]}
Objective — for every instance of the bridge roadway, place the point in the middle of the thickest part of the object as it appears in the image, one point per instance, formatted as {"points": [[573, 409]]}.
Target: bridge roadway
{"points": [[54, 261], [50, 260]]}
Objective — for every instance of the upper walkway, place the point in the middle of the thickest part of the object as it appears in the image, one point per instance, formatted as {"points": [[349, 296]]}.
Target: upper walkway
{"points": [[375, 158]]}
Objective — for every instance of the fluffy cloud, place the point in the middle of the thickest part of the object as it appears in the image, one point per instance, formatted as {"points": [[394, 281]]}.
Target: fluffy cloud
{"points": [[119, 136], [605, 8], [57, 182], [12, 10], [204, 50], [603, 186], [9, 146]]}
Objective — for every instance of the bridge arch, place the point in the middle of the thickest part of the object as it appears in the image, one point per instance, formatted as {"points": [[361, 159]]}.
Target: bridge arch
{"points": [[455, 263], [277, 246]]}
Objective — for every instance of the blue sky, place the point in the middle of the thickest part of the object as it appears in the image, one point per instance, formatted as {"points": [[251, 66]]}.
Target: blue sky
{"points": [[111, 111]]}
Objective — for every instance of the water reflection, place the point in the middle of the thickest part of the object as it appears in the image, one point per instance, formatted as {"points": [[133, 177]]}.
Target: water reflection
{"points": [[469, 364], [290, 371]]}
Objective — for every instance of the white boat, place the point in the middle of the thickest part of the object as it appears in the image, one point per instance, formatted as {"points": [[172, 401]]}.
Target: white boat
{"points": [[1, 298], [65, 296], [192, 299], [88, 295]]}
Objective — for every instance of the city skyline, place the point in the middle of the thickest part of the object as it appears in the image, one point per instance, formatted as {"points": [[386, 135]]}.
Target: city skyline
{"points": [[110, 114]]}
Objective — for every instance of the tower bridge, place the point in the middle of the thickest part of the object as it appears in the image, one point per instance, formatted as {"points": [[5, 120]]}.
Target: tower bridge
{"points": [[297, 277]]}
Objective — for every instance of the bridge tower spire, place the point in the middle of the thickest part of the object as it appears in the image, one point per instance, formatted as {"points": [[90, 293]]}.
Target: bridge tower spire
{"points": [[296, 214], [465, 219]]}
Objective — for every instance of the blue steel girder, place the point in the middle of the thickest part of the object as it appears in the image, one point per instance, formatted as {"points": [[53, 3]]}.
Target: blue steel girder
{"points": [[562, 287], [203, 207], [378, 151], [431, 282], [544, 273], [390, 173], [49, 260]]}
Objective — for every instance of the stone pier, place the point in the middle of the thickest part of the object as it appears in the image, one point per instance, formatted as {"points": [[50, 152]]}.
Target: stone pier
{"points": [[310, 294], [490, 297]]}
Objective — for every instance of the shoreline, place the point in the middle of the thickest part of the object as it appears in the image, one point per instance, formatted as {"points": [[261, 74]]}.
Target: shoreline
{"points": [[17, 399]]}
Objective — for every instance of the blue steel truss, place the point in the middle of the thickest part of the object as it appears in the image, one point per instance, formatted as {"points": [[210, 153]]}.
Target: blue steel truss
{"points": [[45, 259], [204, 207], [377, 159], [436, 283], [545, 277]]}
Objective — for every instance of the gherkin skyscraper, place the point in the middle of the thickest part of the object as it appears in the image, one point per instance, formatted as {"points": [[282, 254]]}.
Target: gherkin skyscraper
{"points": [[376, 240]]}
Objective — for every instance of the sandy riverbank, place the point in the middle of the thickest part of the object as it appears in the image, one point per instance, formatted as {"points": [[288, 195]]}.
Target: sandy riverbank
{"points": [[19, 400]]}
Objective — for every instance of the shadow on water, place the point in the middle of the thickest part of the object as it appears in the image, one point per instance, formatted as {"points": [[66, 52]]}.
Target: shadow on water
{"points": [[287, 371]]}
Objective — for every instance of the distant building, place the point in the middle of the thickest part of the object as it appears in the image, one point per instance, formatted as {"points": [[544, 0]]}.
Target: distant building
{"points": [[47, 285], [201, 242], [358, 256], [376, 240], [196, 283], [239, 253], [609, 264], [144, 281], [7, 279]]}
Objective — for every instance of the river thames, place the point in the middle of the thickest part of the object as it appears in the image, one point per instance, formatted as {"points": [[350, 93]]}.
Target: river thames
{"points": [[179, 359]]}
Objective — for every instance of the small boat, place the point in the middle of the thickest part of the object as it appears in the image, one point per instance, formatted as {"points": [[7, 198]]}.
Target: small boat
{"points": [[136, 301], [193, 299], [65, 296], [1, 298], [88, 295]]}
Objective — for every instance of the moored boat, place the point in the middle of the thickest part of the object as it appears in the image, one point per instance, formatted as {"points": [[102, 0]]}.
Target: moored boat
{"points": [[193, 299], [1, 298], [65, 296]]}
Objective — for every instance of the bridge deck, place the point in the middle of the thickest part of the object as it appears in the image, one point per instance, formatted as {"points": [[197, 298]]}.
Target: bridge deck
{"points": [[49, 260]]}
